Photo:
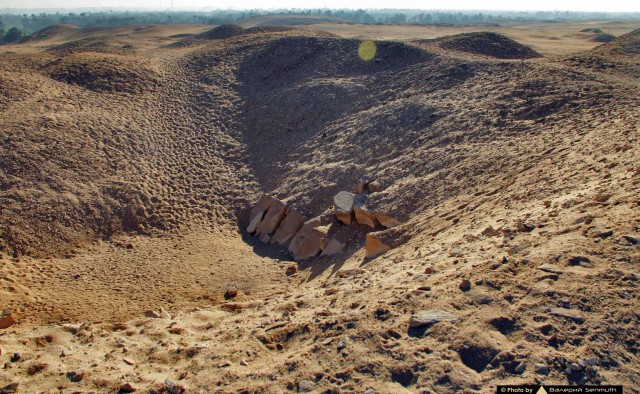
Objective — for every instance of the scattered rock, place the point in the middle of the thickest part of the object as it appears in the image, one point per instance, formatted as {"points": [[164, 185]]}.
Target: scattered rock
{"points": [[224, 364], [343, 343], [152, 314], [570, 314], [375, 187], [632, 239], [331, 291], [164, 314], [16, 357], [363, 185], [429, 317], [490, 232], [128, 388], [541, 369], [75, 376], [551, 268], [465, 285], [292, 269], [244, 363], [129, 361], [6, 320], [333, 247], [230, 293], [306, 386], [10, 388], [520, 368], [577, 260]]}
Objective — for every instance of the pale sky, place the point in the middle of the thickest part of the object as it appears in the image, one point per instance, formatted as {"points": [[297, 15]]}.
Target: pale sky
{"points": [[549, 5]]}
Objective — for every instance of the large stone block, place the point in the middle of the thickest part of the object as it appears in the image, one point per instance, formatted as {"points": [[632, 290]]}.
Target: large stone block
{"points": [[309, 240], [288, 228], [363, 216], [333, 247], [375, 245], [251, 228], [386, 220], [272, 218], [263, 204]]}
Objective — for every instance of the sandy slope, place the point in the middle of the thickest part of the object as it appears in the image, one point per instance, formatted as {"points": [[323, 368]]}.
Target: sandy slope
{"points": [[130, 159]]}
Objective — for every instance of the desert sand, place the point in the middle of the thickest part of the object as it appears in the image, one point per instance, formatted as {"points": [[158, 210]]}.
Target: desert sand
{"points": [[133, 156]]}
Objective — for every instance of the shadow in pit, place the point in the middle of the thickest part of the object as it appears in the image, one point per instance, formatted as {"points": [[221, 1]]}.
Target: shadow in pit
{"points": [[418, 332], [266, 250]]}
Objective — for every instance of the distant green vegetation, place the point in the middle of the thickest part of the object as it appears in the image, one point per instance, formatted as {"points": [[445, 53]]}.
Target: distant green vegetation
{"points": [[30, 23]]}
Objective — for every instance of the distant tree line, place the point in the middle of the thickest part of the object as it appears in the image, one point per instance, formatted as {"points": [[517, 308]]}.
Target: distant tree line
{"points": [[14, 25]]}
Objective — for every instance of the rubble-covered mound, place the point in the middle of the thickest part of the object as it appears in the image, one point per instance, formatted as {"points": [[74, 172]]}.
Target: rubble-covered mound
{"points": [[92, 44], [221, 32], [54, 30], [602, 37], [487, 44], [625, 45], [104, 73]]}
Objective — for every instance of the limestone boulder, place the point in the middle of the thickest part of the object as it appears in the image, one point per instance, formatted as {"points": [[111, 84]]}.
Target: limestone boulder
{"points": [[262, 206], [333, 247], [375, 245], [343, 203], [272, 219], [288, 228], [364, 216], [386, 220], [253, 225], [309, 240]]}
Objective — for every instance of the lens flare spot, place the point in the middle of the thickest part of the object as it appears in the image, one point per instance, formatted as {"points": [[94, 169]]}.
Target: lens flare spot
{"points": [[367, 50]]}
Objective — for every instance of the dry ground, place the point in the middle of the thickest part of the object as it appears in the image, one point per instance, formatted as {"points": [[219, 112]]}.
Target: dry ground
{"points": [[132, 155]]}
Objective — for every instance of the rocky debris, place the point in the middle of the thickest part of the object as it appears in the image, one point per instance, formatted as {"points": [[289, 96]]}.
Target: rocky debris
{"points": [[632, 239], [6, 319], [230, 293], [273, 217], [363, 185], [75, 376], [375, 187], [570, 314], [490, 232], [16, 357], [429, 317], [306, 386], [288, 228], [128, 361], [161, 313], [291, 270], [541, 369], [465, 285], [333, 247], [273, 222], [128, 388], [550, 268], [10, 388], [309, 241]]}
